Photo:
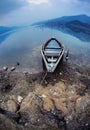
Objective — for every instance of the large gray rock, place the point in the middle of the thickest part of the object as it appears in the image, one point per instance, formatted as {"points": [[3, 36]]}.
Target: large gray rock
{"points": [[10, 105]]}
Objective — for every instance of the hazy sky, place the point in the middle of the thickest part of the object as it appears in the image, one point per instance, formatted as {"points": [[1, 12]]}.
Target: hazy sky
{"points": [[19, 12]]}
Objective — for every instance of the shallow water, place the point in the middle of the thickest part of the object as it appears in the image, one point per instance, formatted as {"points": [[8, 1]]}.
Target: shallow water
{"points": [[24, 46]]}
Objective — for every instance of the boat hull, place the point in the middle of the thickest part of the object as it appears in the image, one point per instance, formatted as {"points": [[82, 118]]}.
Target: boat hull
{"points": [[52, 53]]}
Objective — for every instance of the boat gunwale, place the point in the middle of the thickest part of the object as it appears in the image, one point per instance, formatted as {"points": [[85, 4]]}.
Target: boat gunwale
{"points": [[46, 43], [58, 57]]}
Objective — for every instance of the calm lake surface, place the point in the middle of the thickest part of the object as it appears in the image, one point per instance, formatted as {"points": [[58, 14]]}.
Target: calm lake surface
{"points": [[24, 46]]}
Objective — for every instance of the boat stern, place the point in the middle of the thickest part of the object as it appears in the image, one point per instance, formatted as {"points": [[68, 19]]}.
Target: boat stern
{"points": [[50, 67]]}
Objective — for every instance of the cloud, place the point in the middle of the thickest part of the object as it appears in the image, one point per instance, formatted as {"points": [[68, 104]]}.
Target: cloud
{"points": [[7, 6], [38, 1], [35, 10], [69, 1], [75, 1]]}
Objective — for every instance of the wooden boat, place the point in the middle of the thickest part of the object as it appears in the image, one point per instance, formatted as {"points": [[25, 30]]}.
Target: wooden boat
{"points": [[52, 52]]}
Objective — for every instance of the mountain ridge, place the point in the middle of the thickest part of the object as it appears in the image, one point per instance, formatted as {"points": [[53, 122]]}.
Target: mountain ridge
{"points": [[78, 25]]}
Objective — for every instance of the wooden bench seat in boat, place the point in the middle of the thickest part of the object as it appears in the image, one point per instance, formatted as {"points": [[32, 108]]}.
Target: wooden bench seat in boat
{"points": [[52, 52]]}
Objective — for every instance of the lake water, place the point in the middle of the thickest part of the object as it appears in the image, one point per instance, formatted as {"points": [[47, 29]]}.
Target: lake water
{"points": [[24, 46]]}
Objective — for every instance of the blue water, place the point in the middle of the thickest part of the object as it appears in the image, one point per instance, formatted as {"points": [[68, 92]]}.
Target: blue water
{"points": [[24, 46]]}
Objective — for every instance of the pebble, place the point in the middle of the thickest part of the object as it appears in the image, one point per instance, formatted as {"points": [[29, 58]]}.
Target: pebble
{"points": [[60, 73], [18, 63], [66, 58], [13, 68], [38, 120], [1, 100], [54, 80], [72, 91], [5, 68], [43, 96], [19, 99], [55, 93], [68, 118], [86, 124], [26, 124], [25, 72], [20, 121]]}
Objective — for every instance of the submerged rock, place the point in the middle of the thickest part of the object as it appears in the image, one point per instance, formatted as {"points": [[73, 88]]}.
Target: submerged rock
{"points": [[5, 68], [13, 68], [18, 63]]}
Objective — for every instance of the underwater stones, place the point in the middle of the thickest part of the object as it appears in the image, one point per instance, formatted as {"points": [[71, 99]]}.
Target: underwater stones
{"points": [[5, 68], [18, 63], [66, 58], [13, 68]]}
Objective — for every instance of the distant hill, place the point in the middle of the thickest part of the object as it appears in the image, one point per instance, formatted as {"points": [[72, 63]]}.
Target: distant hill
{"points": [[78, 26]]}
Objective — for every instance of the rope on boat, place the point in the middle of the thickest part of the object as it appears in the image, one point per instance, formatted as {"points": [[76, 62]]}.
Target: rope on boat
{"points": [[44, 77]]}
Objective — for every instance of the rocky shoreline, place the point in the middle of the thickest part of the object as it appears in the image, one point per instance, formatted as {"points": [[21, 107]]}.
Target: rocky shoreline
{"points": [[61, 102]]}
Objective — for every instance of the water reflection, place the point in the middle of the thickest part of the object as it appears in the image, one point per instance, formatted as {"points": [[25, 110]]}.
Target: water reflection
{"points": [[4, 37], [24, 46], [80, 35], [77, 26]]}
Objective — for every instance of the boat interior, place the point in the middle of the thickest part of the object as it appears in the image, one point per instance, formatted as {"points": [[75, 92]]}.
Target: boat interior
{"points": [[52, 54], [52, 51]]}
